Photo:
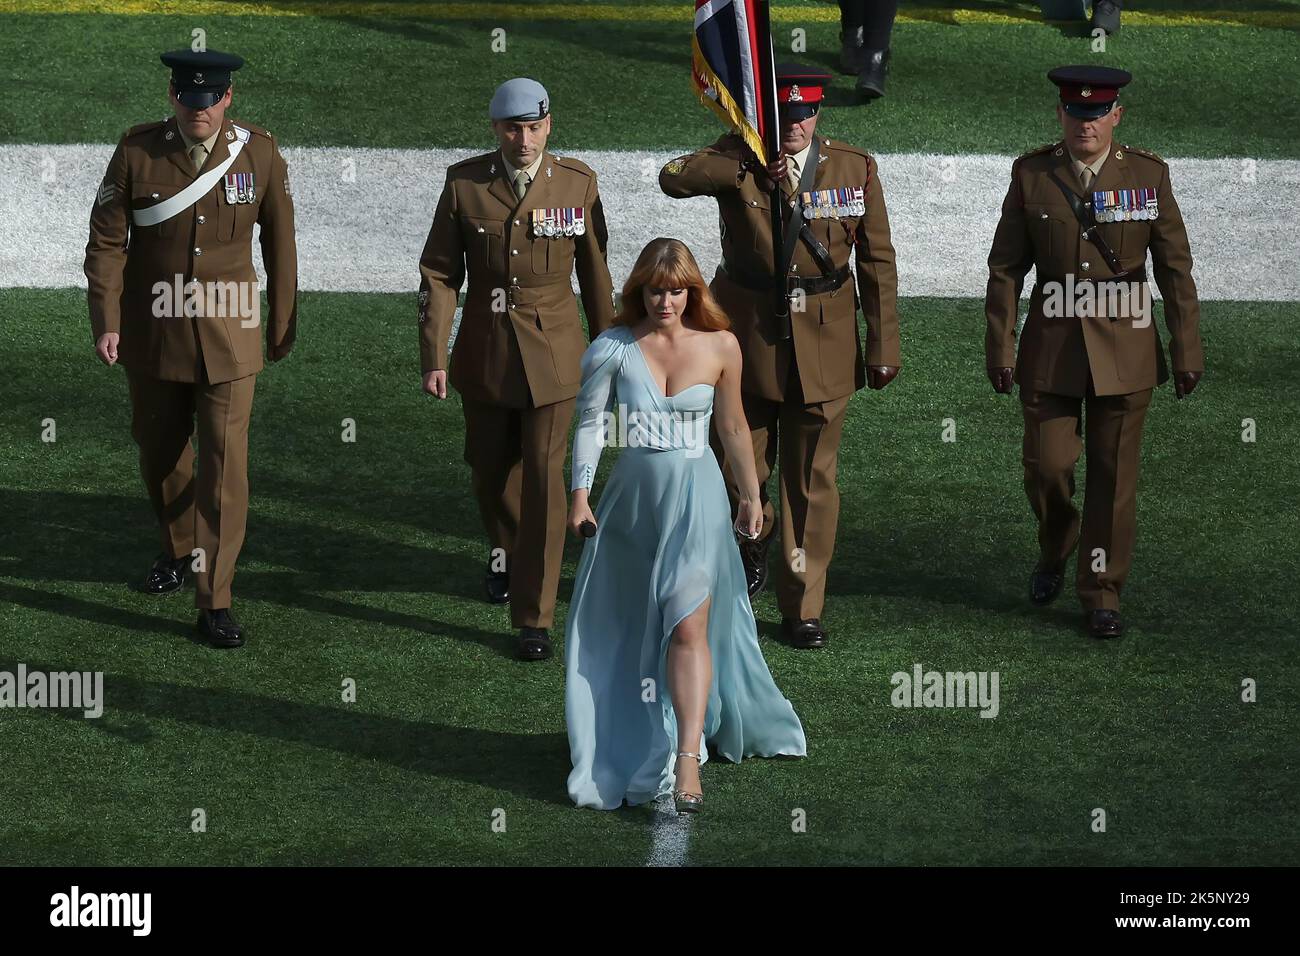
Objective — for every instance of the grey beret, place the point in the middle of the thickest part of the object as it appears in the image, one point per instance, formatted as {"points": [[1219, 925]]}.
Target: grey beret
{"points": [[519, 99]]}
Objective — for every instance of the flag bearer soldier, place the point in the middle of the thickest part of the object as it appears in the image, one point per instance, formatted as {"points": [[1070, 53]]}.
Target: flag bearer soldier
{"points": [[1084, 213], [519, 220], [175, 212], [800, 371]]}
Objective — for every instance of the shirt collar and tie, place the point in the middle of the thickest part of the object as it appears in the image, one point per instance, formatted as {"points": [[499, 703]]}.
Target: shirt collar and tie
{"points": [[199, 150], [1087, 172], [521, 178], [794, 169]]}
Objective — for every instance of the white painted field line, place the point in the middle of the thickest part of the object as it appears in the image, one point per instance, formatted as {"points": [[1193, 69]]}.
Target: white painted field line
{"points": [[363, 215], [670, 834]]}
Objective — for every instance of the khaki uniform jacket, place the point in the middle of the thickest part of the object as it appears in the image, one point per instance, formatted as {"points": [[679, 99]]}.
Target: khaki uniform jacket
{"points": [[1038, 229], [211, 241], [520, 334], [827, 345]]}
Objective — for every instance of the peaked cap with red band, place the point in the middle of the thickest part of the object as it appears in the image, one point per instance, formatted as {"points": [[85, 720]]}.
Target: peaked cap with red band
{"points": [[799, 90], [1089, 92]]}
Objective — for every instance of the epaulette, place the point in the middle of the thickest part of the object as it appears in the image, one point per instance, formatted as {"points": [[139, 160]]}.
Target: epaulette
{"points": [[1037, 151], [1046, 148], [577, 165], [1144, 152], [473, 160], [843, 147], [144, 128], [251, 129]]}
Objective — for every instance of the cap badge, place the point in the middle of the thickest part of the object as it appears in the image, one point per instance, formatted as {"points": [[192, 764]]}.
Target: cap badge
{"points": [[169, 134], [1086, 92], [230, 134], [198, 79], [795, 95]]}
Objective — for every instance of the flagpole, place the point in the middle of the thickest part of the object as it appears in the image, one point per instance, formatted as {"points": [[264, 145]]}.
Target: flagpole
{"points": [[772, 146]]}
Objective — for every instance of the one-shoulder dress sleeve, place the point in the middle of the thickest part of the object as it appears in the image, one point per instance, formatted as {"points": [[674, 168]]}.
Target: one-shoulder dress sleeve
{"points": [[595, 402]]}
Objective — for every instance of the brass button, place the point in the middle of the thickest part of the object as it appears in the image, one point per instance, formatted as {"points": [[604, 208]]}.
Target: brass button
{"points": [[198, 251], [153, 195], [202, 220], [480, 229], [1085, 265], [514, 252], [1042, 215], [516, 222]]}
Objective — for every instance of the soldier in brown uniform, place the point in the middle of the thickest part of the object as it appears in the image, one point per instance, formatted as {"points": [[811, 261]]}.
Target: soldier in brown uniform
{"points": [[800, 373], [1085, 212], [174, 297], [519, 220]]}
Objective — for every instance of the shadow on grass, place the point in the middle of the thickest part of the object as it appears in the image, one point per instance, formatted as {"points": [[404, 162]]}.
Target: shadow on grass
{"points": [[533, 766], [109, 539]]}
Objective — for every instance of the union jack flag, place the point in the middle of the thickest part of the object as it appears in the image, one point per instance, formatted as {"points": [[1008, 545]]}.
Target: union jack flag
{"points": [[732, 67]]}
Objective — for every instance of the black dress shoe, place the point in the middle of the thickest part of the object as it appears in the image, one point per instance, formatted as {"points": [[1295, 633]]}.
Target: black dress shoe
{"points": [[851, 52], [807, 632], [497, 585], [1044, 586], [534, 644], [1104, 622], [753, 555], [166, 575], [871, 78], [220, 628], [1105, 14]]}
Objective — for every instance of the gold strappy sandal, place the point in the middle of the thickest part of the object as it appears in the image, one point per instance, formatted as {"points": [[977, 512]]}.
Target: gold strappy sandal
{"points": [[686, 801]]}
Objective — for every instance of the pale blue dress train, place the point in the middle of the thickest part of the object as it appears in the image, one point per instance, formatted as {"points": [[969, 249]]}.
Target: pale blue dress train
{"points": [[664, 542]]}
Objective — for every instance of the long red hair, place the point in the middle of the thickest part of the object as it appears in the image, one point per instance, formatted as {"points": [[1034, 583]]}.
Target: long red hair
{"points": [[668, 264]]}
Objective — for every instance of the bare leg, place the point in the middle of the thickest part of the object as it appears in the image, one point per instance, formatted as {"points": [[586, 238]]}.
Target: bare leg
{"points": [[690, 672]]}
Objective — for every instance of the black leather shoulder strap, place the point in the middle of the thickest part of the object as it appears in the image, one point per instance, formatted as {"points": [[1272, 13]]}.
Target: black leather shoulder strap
{"points": [[794, 221], [1083, 212]]}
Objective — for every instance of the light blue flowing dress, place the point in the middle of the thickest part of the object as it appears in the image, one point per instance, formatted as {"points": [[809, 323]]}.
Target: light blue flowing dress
{"points": [[664, 543]]}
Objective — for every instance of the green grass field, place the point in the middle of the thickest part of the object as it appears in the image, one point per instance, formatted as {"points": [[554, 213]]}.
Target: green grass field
{"points": [[392, 82], [364, 561]]}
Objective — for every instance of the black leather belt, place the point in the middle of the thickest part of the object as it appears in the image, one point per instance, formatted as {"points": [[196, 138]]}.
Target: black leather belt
{"points": [[1124, 278], [814, 285], [1132, 275]]}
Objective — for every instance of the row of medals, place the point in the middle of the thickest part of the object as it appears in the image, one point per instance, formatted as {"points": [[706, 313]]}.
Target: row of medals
{"points": [[1127, 215], [815, 209], [239, 188], [550, 227], [1134, 204]]}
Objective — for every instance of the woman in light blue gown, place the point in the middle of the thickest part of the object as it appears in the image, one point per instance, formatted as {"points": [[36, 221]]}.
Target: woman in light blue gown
{"points": [[661, 648]]}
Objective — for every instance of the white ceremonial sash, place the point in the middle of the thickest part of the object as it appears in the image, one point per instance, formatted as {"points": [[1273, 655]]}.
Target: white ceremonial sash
{"points": [[187, 197]]}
